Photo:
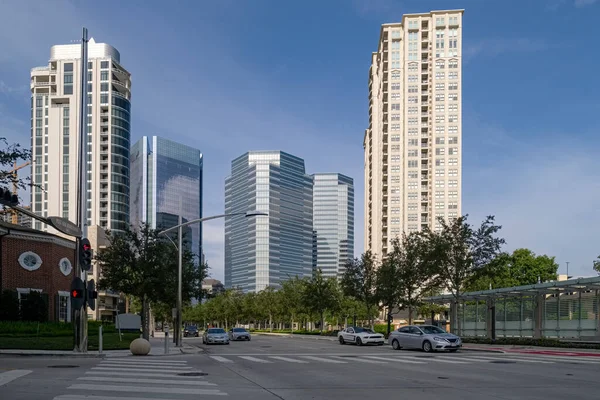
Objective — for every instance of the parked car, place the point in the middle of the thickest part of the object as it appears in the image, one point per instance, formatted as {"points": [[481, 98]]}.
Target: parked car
{"points": [[426, 337], [215, 335], [360, 336], [191, 330], [239, 334]]}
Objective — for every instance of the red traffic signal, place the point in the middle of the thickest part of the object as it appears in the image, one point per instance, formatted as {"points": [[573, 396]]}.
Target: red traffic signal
{"points": [[77, 293], [85, 254]]}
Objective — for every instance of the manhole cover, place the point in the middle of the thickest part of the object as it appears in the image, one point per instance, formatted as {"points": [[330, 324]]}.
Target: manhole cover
{"points": [[569, 374], [63, 366], [503, 362], [442, 377], [193, 374]]}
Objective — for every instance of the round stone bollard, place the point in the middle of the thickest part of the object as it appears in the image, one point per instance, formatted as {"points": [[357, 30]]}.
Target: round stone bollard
{"points": [[140, 347]]}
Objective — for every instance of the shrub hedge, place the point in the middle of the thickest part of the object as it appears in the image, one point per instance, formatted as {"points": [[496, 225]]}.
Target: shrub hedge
{"points": [[48, 329]]}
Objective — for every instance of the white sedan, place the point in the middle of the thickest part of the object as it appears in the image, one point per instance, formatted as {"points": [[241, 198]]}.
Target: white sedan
{"points": [[360, 336]]}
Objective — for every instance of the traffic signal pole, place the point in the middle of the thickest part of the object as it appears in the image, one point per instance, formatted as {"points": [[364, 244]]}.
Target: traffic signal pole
{"points": [[80, 313]]}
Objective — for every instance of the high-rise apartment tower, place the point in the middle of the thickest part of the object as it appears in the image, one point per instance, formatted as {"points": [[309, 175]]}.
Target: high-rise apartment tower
{"points": [[413, 142], [55, 115]]}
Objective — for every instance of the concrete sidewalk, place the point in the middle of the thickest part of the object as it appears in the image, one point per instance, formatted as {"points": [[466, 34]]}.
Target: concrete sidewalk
{"points": [[157, 349]]}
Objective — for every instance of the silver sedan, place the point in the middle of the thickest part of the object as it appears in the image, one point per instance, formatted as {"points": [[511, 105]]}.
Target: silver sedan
{"points": [[426, 337], [215, 335], [239, 334]]}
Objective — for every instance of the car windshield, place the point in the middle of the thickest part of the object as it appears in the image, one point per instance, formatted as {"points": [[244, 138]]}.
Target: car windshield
{"points": [[216, 330], [239, 330], [365, 330], [429, 330]]}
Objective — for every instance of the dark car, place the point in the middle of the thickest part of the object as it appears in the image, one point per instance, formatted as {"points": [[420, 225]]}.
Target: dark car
{"points": [[191, 331]]}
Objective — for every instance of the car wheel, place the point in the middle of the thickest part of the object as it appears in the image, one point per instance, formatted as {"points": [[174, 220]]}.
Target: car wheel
{"points": [[359, 342], [341, 340], [427, 346], [248, 339], [396, 345]]}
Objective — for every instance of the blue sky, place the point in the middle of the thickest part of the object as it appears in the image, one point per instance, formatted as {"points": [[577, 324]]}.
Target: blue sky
{"points": [[230, 76]]}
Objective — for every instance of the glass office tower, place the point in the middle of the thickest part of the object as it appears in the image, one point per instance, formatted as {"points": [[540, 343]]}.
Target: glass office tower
{"points": [[333, 219], [265, 251], [165, 176]]}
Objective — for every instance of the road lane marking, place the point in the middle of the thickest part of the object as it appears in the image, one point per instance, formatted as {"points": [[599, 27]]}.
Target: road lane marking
{"points": [[133, 369], [9, 376], [221, 359], [292, 360], [149, 367], [146, 389], [326, 360], [441, 360], [138, 380], [153, 374], [397, 360], [258, 360], [144, 362]]}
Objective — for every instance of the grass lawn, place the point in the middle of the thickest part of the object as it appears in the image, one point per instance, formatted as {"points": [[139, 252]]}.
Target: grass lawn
{"points": [[110, 342]]}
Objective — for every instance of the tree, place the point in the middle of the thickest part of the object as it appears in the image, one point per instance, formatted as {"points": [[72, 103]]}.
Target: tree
{"points": [[143, 264], [291, 297], [597, 265], [459, 250], [267, 301], [360, 281], [9, 155], [320, 294], [520, 268], [415, 271]]}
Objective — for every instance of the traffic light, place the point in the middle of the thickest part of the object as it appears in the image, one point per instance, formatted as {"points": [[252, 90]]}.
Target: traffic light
{"points": [[85, 254], [8, 199], [91, 294], [77, 293]]}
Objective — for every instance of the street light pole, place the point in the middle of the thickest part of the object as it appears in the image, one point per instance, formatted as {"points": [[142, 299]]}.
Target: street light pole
{"points": [[180, 276], [568, 269], [179, 228]]}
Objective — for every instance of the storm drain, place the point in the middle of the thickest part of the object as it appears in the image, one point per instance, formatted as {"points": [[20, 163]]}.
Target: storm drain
{"points": [[63, 366], [503, 362], [193, 374], [443, 377]]}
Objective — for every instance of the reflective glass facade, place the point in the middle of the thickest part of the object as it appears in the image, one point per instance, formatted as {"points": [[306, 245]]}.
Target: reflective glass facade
{"points": [[333, 222], [265, 251], [163, 173]]}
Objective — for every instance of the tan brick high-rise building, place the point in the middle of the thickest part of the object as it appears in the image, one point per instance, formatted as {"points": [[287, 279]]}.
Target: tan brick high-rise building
{"points": [[413, 142]]}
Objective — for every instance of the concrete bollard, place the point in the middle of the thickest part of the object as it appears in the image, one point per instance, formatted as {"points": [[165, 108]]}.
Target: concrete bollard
{"points": [[140, 347], [100, 340], [167, 340]]}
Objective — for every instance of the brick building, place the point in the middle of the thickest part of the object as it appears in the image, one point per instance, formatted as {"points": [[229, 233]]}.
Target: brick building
{"points": [[32, 260]]}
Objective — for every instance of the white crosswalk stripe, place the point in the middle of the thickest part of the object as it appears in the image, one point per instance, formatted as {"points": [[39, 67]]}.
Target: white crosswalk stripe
{"points": [[397, 359], [258, 360], [292, 360], [221, 359], [365, 360], [141, 379], [326, 360]]}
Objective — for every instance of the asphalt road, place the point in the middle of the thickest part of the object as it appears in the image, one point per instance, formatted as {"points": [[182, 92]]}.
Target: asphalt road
{"points": [[292, 368]]}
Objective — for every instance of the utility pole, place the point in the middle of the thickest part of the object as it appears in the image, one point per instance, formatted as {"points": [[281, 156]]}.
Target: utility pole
{"points": [[80, 314]]}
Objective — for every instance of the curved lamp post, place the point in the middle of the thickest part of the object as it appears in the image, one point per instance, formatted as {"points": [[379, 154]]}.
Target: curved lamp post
{"points": [[179, 228]]}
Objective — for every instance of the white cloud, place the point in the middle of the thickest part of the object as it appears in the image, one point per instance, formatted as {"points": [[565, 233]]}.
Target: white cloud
{"points": [[584, 3]]}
